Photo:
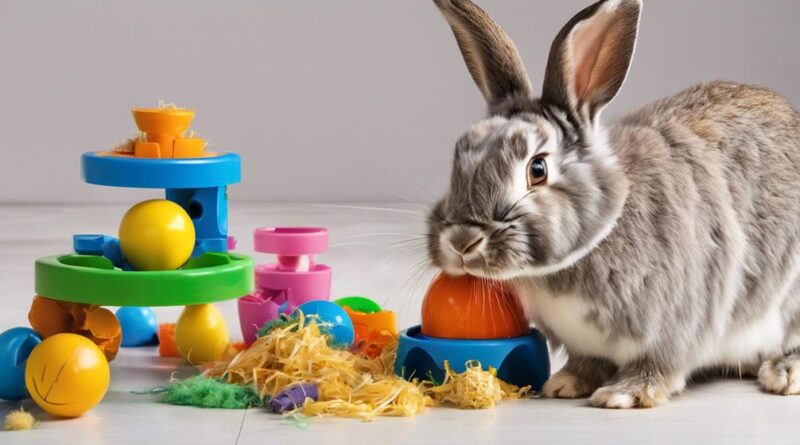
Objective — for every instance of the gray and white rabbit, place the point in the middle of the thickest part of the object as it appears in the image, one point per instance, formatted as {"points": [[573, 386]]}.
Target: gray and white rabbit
{"points": [[661, 246]]}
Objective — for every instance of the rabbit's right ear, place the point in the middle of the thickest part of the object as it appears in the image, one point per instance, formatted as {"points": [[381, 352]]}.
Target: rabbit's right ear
{"points": [[491, 57], [590, 58]]}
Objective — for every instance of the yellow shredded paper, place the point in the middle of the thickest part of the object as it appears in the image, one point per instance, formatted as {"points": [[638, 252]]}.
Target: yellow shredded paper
{"points": [[351, 385]]}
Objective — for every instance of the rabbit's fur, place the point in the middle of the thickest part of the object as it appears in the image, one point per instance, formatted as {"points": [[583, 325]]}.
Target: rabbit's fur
{"points": [[661, 246]]}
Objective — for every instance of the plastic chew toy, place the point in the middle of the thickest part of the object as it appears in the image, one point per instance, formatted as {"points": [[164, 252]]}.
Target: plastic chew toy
{"points": [[201, 334], [466, 319], [171, 252], [334, 318], [283, 286], [156, 235], [374, 328], [16, 345], [470, 308], [80, 383], [139, 326]]}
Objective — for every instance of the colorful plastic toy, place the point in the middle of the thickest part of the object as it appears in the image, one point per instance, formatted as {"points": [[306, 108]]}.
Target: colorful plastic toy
{"points": [[67, 375], [166, 341], [16, 345], [293, 397], [471, 308], [359, 304], [139, 326], [296, 278], [373, 331], [520, 358], [50, 317], [201, 334], [340, 326], [170, 252], [164, 130], [156, 235]]}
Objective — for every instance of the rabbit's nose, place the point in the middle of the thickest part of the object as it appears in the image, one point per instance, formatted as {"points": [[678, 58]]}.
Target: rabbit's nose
{"points": [[466, 242]]}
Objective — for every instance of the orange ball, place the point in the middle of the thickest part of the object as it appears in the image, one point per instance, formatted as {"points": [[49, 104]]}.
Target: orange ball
{"points": [[466, 307]]}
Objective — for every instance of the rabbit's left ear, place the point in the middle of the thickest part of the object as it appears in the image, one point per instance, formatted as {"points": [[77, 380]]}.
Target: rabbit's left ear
{"points": [[490, 55], [590, 58]]}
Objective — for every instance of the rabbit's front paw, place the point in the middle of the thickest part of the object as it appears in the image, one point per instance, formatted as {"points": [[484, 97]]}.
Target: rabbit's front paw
{"points": [[630, 393], [566, 385], [781, 375]]}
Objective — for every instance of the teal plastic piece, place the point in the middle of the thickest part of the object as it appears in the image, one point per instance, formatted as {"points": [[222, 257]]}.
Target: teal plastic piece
{"points": [[183, 173], [103, 245], [521, 361], [139, 326], [359, 304], [93, 279], [16, 345], [333, 319]]}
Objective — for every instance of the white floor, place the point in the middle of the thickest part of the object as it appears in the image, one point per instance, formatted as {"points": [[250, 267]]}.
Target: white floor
{"points": [[372, 253]]}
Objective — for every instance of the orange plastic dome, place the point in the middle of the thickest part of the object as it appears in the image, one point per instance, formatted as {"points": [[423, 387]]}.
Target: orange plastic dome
{"points": [[466, 307]]}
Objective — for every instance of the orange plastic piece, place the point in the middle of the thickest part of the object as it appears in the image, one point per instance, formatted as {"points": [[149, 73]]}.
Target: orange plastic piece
{"points": [[166, 341], [50, 317], [163, 130], [466, 307], [144, 149], [188, 148], [376, 321], [373, 331], [238, 346]]}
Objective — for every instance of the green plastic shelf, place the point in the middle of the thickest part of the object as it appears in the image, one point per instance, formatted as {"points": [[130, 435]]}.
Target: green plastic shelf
{"points": [[94, 280]]}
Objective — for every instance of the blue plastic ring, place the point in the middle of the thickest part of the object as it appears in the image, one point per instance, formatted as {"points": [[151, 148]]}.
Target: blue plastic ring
{"points": [[124, 171]]}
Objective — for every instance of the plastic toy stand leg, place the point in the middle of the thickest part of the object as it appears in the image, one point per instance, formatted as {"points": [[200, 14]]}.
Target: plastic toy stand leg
{"points": [[208, 208]]}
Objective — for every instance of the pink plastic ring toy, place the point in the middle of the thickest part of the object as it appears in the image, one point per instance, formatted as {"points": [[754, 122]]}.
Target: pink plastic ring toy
{"points": [[291, 241]]}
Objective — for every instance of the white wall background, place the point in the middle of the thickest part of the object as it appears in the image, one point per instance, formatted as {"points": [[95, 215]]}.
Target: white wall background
{"points": [[346, 100]]}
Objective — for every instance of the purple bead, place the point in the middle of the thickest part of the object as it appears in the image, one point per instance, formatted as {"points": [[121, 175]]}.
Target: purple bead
{"points": [[293, 397]]}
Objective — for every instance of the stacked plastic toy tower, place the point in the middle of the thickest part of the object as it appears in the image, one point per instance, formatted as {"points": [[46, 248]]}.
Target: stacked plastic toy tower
{"points": [[160, 259], [284, 286]]}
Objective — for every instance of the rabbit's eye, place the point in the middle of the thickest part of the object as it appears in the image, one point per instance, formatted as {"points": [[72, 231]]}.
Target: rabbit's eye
{"points": [[537, 171]]}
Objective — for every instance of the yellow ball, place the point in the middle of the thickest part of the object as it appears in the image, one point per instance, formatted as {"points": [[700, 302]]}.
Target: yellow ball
{"points": [[156, 235], [201, 334], [67, 375]]}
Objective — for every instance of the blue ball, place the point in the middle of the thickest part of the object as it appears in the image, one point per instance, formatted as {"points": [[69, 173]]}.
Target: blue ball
{"points": [[139, 326], [16, 345], [341, 328]]}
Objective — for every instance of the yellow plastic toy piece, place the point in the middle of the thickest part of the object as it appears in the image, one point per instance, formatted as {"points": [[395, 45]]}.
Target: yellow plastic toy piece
{"points": [[156, 235], [164, 130], [67, 375], [201, 334]]}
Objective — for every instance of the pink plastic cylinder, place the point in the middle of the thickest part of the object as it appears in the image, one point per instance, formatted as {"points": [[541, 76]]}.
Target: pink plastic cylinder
{"points": [[294, 280]]}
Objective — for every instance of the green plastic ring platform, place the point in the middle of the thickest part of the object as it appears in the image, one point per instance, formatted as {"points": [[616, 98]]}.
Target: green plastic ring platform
{"points": [[94, 280]]}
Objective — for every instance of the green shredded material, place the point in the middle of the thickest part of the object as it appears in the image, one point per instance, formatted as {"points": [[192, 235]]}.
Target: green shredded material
{"points": [[280, 322], [296, 420], [210, 393]]}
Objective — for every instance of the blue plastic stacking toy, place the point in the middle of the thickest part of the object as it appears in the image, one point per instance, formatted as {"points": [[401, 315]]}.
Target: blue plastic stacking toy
{"points": [[521, 361], [197, 184], [16, 345]]}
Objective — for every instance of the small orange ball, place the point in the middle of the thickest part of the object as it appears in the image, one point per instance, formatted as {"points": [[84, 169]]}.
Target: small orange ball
{"points": [[466, 307]]}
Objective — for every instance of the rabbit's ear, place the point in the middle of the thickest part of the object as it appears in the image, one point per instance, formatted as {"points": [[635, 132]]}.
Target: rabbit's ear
{"points": [[491, 57], [590, 58]]}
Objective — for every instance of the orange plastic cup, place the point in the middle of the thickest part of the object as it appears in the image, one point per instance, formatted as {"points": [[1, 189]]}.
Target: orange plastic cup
{"points": [[466, 307]]}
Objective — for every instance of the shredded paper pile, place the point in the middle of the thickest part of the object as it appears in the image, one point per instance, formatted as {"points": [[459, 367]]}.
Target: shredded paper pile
{"points": [[351, 385]]}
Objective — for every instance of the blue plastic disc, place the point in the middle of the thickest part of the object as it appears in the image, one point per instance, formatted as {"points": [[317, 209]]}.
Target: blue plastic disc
{"points": [[126, 171]]}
